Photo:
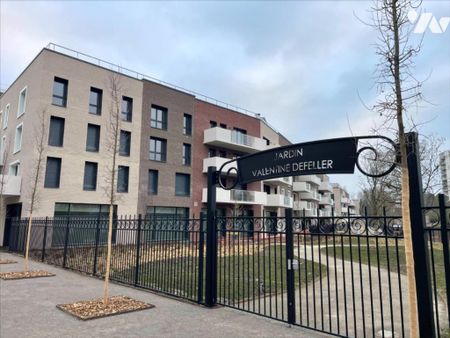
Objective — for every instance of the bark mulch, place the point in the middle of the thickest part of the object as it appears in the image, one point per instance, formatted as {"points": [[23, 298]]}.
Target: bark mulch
{"points": [[92, 309], [7, 261], [24, 274]]}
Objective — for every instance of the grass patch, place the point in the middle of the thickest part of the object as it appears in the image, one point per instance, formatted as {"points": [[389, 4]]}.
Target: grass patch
{"points": [[253, 272], [387, 258]]}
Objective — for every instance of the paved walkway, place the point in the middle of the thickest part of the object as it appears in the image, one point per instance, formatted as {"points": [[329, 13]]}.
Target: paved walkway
{"points": [[27, 309]]}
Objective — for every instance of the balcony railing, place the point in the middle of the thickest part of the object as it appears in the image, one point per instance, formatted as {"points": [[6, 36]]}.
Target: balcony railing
{"points": [[310, 196], [280, 201], [11, 185], [325, 186], [231, 139], [310, 179], [237, 196]]}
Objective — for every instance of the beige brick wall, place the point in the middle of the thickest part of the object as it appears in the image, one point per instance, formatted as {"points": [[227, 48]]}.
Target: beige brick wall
{"points": [[38, 77]]}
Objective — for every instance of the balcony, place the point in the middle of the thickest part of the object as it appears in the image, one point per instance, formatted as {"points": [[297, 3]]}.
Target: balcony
{"points": [[11, 185], [345, 200], [218, 162], [326, 187], [233, 140], [326, 200], [324, 213], [279, 201], [280, 180], [305, 209], [301, 187], [310, 196], [313, 179], [237, 196]]}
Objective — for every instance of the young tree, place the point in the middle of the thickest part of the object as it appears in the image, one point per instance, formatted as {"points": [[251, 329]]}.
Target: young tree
{"points": [[111, 174], [40, 134], [398, 89]]}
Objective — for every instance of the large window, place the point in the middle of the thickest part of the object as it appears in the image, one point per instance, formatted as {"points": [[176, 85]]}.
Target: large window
{"points": [[125, 143], [187, 124], [122, 178], [52, 172], [90, 176], [18, 138], [56, 132], [60, 92], [158, 117], [22, 102], [153, 182], [186, 154], [158, 149], [127, 109], [93, 138], [95, 101], [182, 184], [6, 117]]}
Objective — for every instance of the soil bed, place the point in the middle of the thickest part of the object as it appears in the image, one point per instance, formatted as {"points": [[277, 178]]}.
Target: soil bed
{"points": [[92, 309], [24, 274], [7, 261]]}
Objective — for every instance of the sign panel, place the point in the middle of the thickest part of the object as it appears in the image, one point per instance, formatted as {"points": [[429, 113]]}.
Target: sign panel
{"points": [[335, 156]]}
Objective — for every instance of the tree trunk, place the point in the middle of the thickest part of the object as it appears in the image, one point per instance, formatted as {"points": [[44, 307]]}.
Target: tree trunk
{"points": [[108, 258], [27, 248]]}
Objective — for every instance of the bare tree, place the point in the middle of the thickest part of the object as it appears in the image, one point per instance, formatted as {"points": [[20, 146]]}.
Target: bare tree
{"points": [[39, 149], [399, 90], [385, 191], [111, 174]]}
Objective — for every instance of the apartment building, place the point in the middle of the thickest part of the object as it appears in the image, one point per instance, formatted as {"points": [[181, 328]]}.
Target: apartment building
{"points": [[168, 137], [444, 167], [344, 205]]}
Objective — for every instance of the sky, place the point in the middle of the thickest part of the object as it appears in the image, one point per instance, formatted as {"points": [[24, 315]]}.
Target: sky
{"points": [[308, 67]]}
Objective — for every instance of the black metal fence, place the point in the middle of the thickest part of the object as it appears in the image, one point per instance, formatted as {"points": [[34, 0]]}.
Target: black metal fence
{"points": [[341, 275], [161, 254]]}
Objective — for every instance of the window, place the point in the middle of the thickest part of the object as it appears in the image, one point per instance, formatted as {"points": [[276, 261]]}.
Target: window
{"points": [[223, 153], [223, 125], [60, 92], [153, 182], [93, 138], [14, 168], [22, 102], [127, 108], [267, 140], [56, 133], [90, 176], [5, 117], [2, 148], [182, 184], [52, 172], [158, 148], [95, 101], [186, 154], [212, 124], [158, 117], [211, 152], [125, 143], [18, 138], [122, 178], [187, 124]]}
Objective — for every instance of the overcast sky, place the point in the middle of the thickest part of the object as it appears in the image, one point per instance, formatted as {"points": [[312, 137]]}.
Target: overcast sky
{"points": [[305, 66]]}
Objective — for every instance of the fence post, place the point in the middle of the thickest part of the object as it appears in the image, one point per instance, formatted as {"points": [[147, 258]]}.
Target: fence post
{"points": [[201, 244], [44, 241], [419, 242], [211, 241], [290, 267], [66, 240], [138, 247], [445, 247], [97, 239]]}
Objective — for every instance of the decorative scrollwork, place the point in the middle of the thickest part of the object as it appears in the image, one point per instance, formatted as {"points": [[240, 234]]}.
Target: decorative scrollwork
{"points": [[223, 176], [384, 156]]}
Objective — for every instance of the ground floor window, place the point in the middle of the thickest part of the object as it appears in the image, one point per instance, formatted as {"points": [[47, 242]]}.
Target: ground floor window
{"points": [[83, 219], [167, 223]]}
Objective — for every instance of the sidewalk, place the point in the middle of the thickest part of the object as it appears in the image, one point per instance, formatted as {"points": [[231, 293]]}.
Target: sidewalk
{"points": [[27, 309]]}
